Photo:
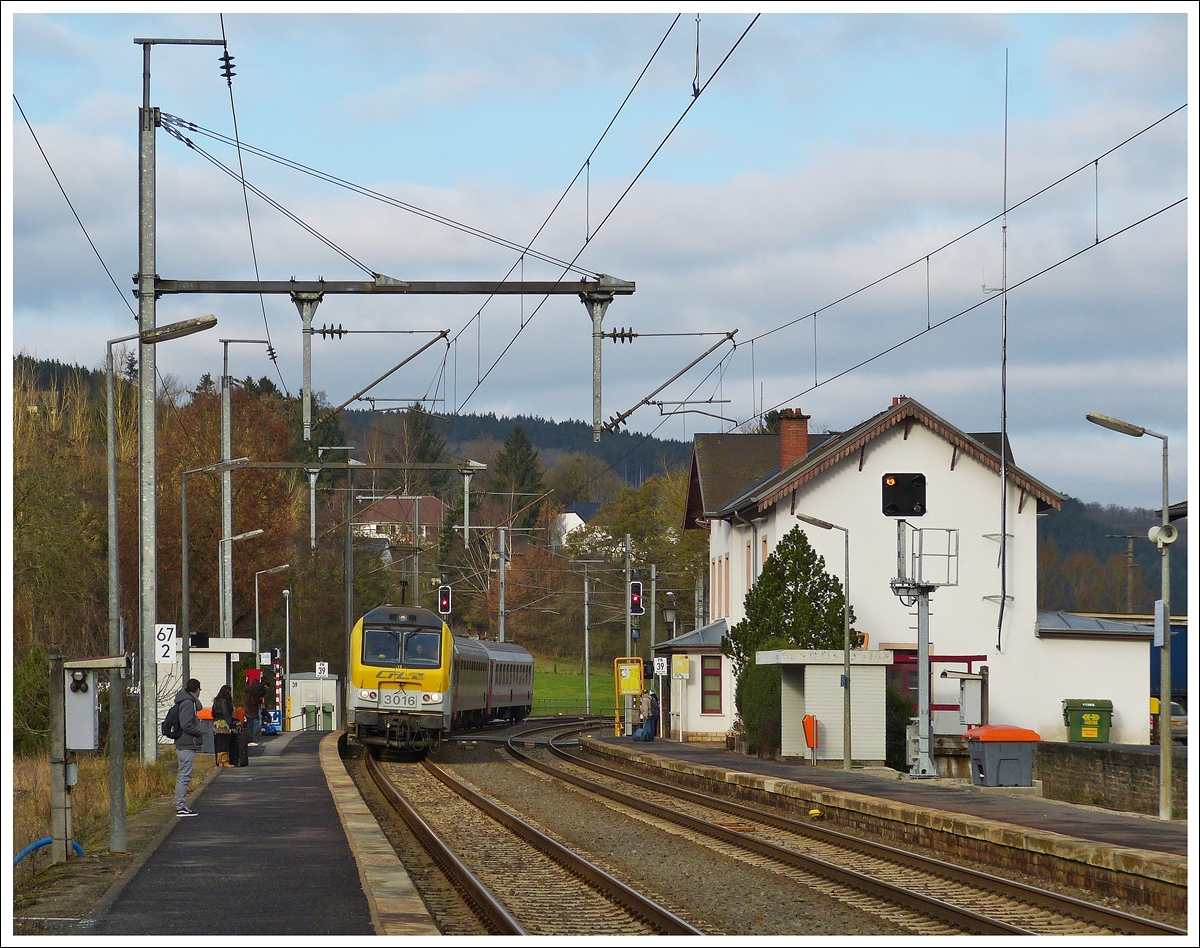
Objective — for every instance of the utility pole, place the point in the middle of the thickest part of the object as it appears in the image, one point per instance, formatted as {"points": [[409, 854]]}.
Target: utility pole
{"points": [[1128, 566], [628, 613], [587, 648], [503, 556], [226, 564], [653, 604], [148, 122]]}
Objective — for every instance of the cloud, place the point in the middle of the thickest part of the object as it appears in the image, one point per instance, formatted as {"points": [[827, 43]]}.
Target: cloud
{"points": [[760, 211]]}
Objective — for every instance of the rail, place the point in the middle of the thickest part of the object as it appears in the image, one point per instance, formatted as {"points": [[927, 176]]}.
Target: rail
{"points": [[487, 905], [1075, 908]]}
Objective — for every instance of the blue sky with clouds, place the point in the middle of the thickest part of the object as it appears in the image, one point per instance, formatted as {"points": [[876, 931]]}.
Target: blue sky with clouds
{"points": [[830, 149]]}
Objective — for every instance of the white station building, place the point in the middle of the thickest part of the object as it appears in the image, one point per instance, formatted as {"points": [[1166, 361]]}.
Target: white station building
{"points": [[748, 490]]}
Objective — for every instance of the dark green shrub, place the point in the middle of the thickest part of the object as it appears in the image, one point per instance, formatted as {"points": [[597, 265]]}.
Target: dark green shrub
{"points": [[900, 711], [757, 698]]}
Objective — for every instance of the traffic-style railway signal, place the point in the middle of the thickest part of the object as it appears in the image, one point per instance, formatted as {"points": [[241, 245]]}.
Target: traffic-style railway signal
{"points": [[636, 607], [444, 600]]}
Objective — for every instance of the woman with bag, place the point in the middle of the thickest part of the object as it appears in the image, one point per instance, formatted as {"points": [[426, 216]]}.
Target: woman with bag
{"points": [[224, 725]]}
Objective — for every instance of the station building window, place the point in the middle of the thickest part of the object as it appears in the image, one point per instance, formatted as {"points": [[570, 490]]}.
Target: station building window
{"points": [[710, 684]]}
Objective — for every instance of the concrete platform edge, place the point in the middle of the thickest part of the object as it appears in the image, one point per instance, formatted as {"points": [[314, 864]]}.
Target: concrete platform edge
{"points": [[1161, 867], [100, 909], [396, 907]]}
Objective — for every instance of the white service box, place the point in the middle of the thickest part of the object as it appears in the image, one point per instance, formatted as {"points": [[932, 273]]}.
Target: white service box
{"points": [[83, 709]]}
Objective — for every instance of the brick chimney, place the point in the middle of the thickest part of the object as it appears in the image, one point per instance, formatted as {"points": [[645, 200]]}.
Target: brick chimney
{"points": [[793, 437]]}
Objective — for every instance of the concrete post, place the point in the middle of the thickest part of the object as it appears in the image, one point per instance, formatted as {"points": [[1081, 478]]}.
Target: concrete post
{"points": [[148, 120], [503, 556], [60, 799]]}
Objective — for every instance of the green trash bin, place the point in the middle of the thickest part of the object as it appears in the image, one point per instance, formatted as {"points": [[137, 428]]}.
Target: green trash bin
{"points": [[310, 717], [1087, 719], [326, 717]]}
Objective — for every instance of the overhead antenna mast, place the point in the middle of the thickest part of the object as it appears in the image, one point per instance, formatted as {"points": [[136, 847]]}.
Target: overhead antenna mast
{"points": [[1004, 379]]}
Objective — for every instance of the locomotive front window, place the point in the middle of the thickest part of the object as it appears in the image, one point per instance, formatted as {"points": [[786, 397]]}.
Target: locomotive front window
{"points": [[422, 649], [381, 647]]}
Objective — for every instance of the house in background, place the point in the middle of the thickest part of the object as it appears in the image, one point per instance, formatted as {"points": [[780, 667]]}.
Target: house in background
{"points": [[748, 499], [574, 516], [399, 519]]}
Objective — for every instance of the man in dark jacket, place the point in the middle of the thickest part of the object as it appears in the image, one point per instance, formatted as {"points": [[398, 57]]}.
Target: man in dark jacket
{"points": [[188, 744]]}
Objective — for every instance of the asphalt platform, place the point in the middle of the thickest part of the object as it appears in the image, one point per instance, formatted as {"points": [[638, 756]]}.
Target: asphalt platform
{"points": [[1097, 824], [284, 846]]}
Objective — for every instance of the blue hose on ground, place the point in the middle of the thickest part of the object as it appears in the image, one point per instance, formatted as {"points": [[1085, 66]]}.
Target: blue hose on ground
{"points": [[39, 844]]}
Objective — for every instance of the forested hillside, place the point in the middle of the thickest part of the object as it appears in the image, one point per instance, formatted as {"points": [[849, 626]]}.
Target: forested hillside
{"points": [[632, 457], [1082, 563]]}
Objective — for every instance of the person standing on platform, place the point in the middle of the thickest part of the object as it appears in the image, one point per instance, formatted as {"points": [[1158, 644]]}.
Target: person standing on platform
{"points": [[188, 744], [652, 721], [252, 704], [224, 726]]}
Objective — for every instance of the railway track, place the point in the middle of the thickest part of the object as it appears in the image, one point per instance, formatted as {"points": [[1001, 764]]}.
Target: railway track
{"points": [[960, 899], [519, 880]]}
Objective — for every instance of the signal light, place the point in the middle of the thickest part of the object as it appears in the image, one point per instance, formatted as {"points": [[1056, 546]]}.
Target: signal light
{"points": [[636, 607], [904, 495], [276, 655], [444, 600]]}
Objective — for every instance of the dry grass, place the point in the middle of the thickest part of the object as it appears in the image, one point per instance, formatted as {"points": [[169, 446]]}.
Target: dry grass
{"points": [[31, 798]]}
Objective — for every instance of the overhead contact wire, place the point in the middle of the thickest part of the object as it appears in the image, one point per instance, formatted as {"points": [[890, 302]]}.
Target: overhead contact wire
{"points": [[617, 204], [63, 190], [246, 201]]}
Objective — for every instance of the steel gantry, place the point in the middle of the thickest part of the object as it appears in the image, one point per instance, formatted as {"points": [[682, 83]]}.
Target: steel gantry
{"points": [[308, 295]]}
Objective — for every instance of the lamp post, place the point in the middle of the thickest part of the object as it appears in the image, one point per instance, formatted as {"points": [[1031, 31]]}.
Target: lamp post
{"points": [[287, 662], [186, 634], [826, 525], [587, 633], [148, 671], [222, 591], [1163, 536], [273, 569], [669, 612], [225, 561]]}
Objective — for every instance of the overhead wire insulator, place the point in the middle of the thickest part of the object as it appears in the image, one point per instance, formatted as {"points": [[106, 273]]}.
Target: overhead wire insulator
{"points": [[226, 62], [327, 331], [622, 334], [271, 353]]}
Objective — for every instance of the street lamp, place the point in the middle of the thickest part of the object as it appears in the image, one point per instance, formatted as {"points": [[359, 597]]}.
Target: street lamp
{"points": [[1163, 536], [273, 569], [183, 555], [249, 534], [148, 672], [669, 611], [287, 662], [826, 525]]}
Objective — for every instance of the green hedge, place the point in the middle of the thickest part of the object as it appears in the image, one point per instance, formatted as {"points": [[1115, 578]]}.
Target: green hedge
{"points": [[758, 697]]}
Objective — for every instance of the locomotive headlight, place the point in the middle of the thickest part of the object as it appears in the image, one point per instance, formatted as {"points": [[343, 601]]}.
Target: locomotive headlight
{"points": [[432, 697], [368, 694]]}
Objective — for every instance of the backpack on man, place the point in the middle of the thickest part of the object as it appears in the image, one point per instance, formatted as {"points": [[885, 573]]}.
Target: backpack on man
{"points": [[170, 726]]}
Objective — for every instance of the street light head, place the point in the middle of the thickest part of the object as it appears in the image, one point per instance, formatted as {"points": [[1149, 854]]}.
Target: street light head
{"points": [[185, 327], [286, 593], [815, 521], [1115, 424], [248, 535]]}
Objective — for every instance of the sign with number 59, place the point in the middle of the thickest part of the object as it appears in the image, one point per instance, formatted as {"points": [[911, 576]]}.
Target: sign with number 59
{"points": [[164, 643]]}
